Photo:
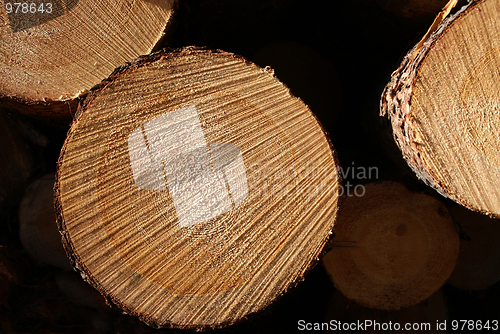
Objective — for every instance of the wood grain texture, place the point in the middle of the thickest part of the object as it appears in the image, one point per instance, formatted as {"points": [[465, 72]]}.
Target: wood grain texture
{"points": [[443, 106], [392, 248], [130, 243], [49, 60]]}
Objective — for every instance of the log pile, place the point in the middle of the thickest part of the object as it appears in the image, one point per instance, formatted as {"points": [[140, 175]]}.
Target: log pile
{"points": [[198, 186]]}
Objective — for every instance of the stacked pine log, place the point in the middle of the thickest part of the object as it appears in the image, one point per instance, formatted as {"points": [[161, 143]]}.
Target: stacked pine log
{"points": [[53, 53], [198, 188], [443, 106]]}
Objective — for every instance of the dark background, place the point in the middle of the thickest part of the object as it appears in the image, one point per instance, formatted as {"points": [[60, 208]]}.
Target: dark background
{"points": [[337, 57]]}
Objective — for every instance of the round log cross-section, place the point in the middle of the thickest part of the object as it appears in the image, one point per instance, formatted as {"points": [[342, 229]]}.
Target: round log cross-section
{"points": [[444, 106], [394, 248], [52, 52], [193, 189]]}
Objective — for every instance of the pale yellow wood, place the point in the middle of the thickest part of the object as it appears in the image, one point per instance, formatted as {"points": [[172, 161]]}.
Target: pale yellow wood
{"points": [[456, 108], [129, 233], [60, 56], [437, 21], [392, 248], [443, 103]]}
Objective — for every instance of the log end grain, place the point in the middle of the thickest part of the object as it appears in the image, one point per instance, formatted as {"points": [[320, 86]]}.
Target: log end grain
{"points": [[52, 57], [443, 105], [392, 248], [202, 193]]}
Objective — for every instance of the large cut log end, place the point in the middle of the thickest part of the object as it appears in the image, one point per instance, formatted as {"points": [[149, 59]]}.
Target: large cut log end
{"points": [[443, 103], [193, 189], [54, 52]]}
